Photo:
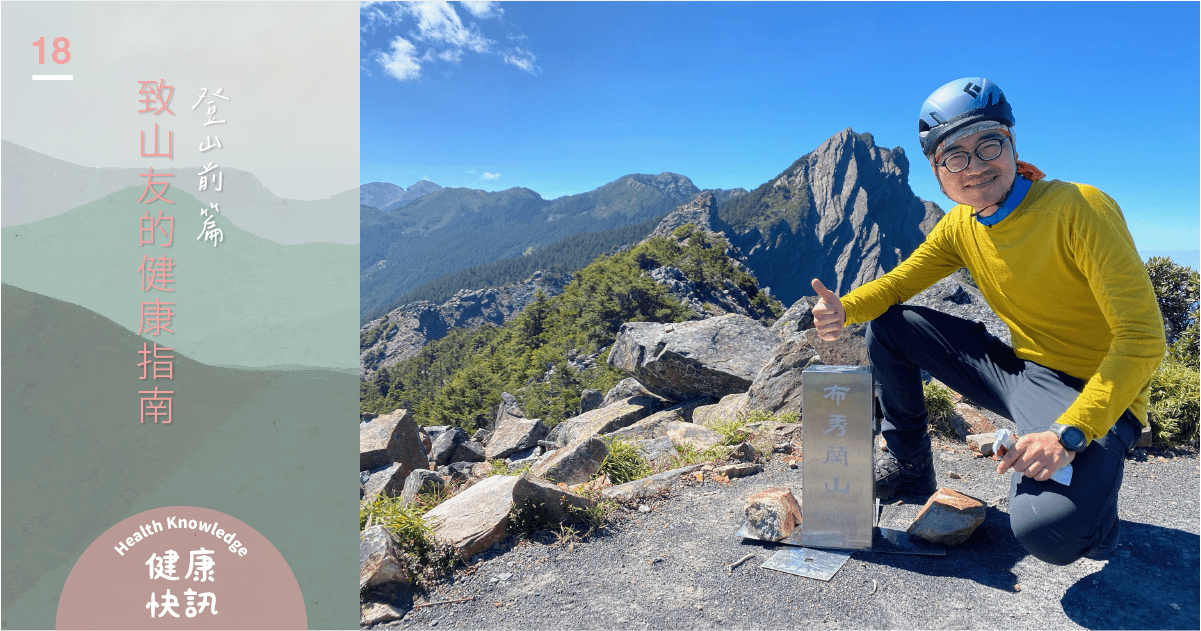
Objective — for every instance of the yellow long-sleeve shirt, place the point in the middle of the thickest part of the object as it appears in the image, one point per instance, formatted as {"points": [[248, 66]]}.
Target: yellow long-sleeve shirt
{"points": [[1063, 273]]}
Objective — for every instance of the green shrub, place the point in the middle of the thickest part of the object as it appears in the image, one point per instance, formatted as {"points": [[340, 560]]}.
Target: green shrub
{"points": [[940, 405], [1176, 291], [624, 462], [732, 431], [1175, 391]]}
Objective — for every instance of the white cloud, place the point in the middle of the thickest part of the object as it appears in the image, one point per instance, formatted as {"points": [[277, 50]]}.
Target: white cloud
{"points": [[442, 32], [375, 14], [523, 59], [401, 64], [490, 176], [483, 8], [437, 23]]}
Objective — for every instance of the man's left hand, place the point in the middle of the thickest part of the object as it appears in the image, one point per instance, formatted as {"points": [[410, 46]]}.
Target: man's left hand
{"points": [[1038, 455]]}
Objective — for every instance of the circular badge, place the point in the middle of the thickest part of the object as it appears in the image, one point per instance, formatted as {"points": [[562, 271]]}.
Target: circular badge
{"points": [[181, 567]]}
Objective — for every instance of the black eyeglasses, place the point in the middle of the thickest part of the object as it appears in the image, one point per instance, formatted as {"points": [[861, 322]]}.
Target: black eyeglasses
{"points": [[988, 150]]}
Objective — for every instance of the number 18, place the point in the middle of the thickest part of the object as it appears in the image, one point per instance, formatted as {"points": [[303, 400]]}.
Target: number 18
{"points": [[61, 47]]}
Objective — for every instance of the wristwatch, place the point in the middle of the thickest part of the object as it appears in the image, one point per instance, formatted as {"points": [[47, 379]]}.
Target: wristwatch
{"points": [[1071, 437]]}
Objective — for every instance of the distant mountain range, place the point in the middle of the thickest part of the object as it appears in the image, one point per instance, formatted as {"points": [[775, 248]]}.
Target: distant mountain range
{"points": [[451, 229], [388, 197]]}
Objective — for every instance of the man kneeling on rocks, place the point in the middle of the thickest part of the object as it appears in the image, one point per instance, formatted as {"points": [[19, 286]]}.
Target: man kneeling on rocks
{"points": [[1057, 264]]}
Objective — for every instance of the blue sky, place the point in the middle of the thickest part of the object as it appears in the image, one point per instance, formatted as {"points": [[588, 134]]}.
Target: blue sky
{"points": [[563, 97]]}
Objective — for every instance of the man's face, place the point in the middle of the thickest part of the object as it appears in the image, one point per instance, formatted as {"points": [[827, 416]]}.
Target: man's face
{"points": [[982, 184]]}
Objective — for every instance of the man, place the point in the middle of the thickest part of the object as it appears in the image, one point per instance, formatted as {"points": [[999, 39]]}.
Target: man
{"points": [[1056, 263]]}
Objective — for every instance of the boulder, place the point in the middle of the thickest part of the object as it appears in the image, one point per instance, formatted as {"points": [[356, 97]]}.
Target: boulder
{"points": [[476, 518], [458, 471], [390, 438], [798, 318], [371, 614], [777, 387], [388, 481], [514, 434], [507, 409], [379, 559], [654, 449], [738, 469], [730, 407], [574, 463], [590, 399], [648, 486], [481, 436], [453, 445], [689, 360], [698, 437], [625, 389], [744, 452], [427, 443], [604, 420], [526, 456], [949, 517], [657, 424], [773, 513], [422, 481]]}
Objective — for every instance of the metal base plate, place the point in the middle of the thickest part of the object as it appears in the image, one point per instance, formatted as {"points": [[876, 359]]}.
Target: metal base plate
{"points": [[886, 540], [808, 562]]}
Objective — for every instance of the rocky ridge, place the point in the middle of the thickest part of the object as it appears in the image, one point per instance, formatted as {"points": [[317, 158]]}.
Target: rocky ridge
{"points": [[404, 331]]}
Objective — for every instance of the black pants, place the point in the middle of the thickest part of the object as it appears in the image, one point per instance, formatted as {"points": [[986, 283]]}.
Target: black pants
{"points": [[1056, 523]]}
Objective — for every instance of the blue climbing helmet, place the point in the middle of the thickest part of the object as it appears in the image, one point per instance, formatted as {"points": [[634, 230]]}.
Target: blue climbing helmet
{"points": [[958, 104]]}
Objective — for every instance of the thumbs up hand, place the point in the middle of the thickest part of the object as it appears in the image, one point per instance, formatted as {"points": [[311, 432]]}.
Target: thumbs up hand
{"points": [[828, 315]]}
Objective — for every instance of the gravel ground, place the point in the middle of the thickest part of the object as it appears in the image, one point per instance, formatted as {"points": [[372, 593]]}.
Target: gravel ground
{"points": [[667, 568]]}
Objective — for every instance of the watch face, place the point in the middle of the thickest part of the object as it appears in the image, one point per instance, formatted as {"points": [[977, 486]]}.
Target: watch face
{"points": [[1072, 438]]}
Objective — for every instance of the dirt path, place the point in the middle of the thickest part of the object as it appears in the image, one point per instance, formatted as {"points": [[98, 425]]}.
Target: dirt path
{"points": [[668, 568]]}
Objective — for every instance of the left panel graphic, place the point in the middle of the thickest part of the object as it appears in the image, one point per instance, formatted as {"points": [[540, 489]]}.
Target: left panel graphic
{"points": [[178, 253]]}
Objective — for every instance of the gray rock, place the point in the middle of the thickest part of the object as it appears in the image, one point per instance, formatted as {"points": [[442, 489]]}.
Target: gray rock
{"points": [[481, 436], [654, 449], [390, 438], [574, 463], [590, 399], [744, 452], [689, 360], [648, 486], [730, 407], [453, 445], [525, 456], [378, 613], [513, 435], [379, 560], [625, 389], [507, 409], [797, 318], [773, 513], [698, 437], [653, 426], [949, 517], [604, 420], [777, 387], [458, 471], [476, 518], [388, 481], [422, 481]]}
